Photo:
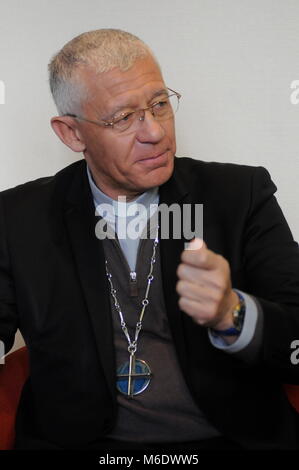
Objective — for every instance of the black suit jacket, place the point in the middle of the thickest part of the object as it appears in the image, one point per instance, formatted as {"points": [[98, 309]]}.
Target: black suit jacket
{"points": [[53, 287]]}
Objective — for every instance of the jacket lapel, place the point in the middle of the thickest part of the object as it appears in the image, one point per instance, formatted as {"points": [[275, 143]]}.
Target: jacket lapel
{"points": [[88, 253], [174, 191]]}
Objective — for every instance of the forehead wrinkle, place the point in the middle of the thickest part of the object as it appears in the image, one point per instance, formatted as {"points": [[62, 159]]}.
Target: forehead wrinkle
{"points": [[112, 91]]}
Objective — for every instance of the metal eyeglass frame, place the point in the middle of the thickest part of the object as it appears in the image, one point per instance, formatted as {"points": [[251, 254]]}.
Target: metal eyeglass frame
{"points": [[119, 118]]}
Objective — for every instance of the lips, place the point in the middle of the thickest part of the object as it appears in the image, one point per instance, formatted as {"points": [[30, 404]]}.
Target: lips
{"points": [[153, 157]]}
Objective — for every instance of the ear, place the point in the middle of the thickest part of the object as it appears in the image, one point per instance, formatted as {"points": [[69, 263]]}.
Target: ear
{"points": [[65, 128]]}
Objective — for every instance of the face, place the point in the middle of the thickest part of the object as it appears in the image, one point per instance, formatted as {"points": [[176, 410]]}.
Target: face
{"points": [[127, 163]]}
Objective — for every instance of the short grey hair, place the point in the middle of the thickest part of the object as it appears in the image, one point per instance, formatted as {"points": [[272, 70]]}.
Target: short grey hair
{"points": [[102, 50]]}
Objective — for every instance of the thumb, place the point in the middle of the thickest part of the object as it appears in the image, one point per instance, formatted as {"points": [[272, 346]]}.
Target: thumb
{"points": [[196, 244]]}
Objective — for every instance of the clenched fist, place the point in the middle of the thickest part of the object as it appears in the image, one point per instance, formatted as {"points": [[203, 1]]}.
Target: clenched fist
{"points": [[205, 287]]}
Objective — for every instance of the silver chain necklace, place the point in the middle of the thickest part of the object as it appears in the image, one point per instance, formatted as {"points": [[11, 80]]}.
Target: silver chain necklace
{"points": [[134, 376]]}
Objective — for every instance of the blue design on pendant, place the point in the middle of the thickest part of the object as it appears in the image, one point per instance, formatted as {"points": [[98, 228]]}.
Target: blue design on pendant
{"points": [[135, 382]]}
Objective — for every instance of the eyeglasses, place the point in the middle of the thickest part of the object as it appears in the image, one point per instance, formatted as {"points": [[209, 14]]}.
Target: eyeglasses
{"points": [[163, 109]]}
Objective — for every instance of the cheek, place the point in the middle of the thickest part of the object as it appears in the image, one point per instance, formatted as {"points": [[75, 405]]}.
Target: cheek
{"points": [[93, 142], [122, 150], [109, 149], [170, 133]]}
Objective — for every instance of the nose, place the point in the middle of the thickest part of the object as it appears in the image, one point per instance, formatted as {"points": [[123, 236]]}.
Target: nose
{"points": [[149, 129]]}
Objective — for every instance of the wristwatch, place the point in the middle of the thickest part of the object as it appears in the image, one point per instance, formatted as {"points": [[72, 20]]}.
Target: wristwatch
{"points": [[238, 315]]}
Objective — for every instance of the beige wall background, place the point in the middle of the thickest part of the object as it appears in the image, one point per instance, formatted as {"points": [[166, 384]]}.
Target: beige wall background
{"points": [[234, 62]]}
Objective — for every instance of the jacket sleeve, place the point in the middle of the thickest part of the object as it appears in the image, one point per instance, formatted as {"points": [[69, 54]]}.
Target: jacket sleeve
{"points": [[271, 263], [8, 311]]}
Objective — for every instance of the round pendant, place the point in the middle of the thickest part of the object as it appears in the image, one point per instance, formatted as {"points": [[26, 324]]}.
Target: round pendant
{"points": [[133, 377]]}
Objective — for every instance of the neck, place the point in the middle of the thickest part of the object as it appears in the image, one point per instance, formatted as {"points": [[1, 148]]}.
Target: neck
{"points": [[113, 193]]}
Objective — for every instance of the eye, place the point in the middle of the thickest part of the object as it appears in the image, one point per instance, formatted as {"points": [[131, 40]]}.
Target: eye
{"points": [[161, 107], [127, 117], [123, 118], [161, 103]]}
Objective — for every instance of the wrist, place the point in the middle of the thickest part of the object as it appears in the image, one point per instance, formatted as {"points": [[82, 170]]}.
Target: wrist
{"points": [[233, 323]]}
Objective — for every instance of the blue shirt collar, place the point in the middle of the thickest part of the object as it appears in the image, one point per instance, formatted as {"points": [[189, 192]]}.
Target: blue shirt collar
{"points": [[146, 199]]}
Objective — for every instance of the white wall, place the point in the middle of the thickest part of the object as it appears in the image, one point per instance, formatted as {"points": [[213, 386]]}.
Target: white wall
{"points": [[232, 60]]}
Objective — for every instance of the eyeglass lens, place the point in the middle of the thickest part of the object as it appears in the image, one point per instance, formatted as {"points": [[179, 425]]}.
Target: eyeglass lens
{"points": [[162, 110]]}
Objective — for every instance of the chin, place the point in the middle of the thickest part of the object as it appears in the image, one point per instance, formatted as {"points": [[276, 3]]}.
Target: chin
{"points": [[157, 177]]}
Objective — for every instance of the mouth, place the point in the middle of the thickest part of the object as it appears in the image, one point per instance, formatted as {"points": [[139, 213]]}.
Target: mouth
{"points": [[158, 158]]}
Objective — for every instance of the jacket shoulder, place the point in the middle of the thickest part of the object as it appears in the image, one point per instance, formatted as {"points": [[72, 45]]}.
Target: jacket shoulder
{"points": [[212, 169], [40, 190], [229, 178]]}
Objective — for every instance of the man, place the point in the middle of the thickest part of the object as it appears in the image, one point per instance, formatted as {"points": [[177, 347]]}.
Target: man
{"points": [[138, 343]]}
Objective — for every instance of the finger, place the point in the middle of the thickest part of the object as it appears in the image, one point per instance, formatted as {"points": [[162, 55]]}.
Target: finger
{"points": [[191, 291], [202, 295], [199, 276], [198, 312], [186, 272]]}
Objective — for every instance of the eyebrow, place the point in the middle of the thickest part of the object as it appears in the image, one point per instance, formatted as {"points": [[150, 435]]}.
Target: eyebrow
{"points": [[121, 107]]}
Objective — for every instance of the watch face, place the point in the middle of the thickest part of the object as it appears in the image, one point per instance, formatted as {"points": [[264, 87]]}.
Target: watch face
{"points": [[238, 316]]}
